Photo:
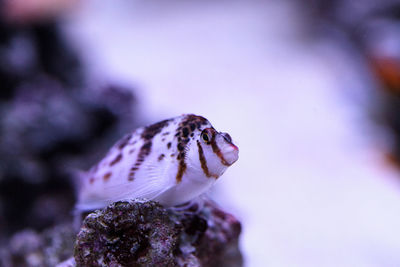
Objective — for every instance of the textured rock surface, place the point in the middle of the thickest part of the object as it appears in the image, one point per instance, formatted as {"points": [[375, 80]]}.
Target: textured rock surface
{"points": [[145, 234]]}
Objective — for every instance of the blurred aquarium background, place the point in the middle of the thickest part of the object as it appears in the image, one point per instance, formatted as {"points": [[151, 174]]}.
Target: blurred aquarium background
{"points": [[309, 91]]}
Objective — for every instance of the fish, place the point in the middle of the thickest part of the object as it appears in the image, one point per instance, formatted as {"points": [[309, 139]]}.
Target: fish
{"points": [[172, 162]]}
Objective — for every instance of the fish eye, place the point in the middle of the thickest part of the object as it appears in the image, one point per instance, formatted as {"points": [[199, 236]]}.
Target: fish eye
{"points": [[227, 137], [205, 136]]}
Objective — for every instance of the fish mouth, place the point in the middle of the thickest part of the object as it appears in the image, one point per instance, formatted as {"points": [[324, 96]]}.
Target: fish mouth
{"points": [[230, 154]]}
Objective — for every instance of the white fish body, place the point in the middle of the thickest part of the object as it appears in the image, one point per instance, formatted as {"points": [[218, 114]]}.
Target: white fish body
{"points": [[171, 162]]}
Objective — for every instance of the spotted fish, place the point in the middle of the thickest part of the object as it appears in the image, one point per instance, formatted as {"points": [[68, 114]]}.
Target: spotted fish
{"points": [[172, 162]]}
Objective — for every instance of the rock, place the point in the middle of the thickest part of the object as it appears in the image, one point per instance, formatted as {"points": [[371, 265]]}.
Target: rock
{"points": [[133, 233], [145, 234], [31, 249]]}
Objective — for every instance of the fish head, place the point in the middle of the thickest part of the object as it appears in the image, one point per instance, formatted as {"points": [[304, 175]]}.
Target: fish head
{"points": [[215, 152]]}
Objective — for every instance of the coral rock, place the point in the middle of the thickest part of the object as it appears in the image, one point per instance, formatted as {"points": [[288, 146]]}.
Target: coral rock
{"points": [[138, 233]]}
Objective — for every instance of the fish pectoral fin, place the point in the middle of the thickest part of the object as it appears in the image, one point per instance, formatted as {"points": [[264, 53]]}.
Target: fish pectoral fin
{"points": [[157, 181], [152, 182]]}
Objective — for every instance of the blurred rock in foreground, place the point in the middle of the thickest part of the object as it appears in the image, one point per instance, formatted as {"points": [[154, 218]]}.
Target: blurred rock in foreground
{"points": [[29, 248]]}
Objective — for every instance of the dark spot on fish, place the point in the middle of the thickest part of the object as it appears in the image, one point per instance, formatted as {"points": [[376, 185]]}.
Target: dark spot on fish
{"points": [[192, 134], [91, 180], [107, 176], [181, 147], [191, 118], [161, 157], [116, 160], [192, 127], [146, 146], [131, 151], [162, 140], [185, 132], [181, 156], [181, 171], [202, 159], [150, 131], [166, 133], [169, 145]]}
